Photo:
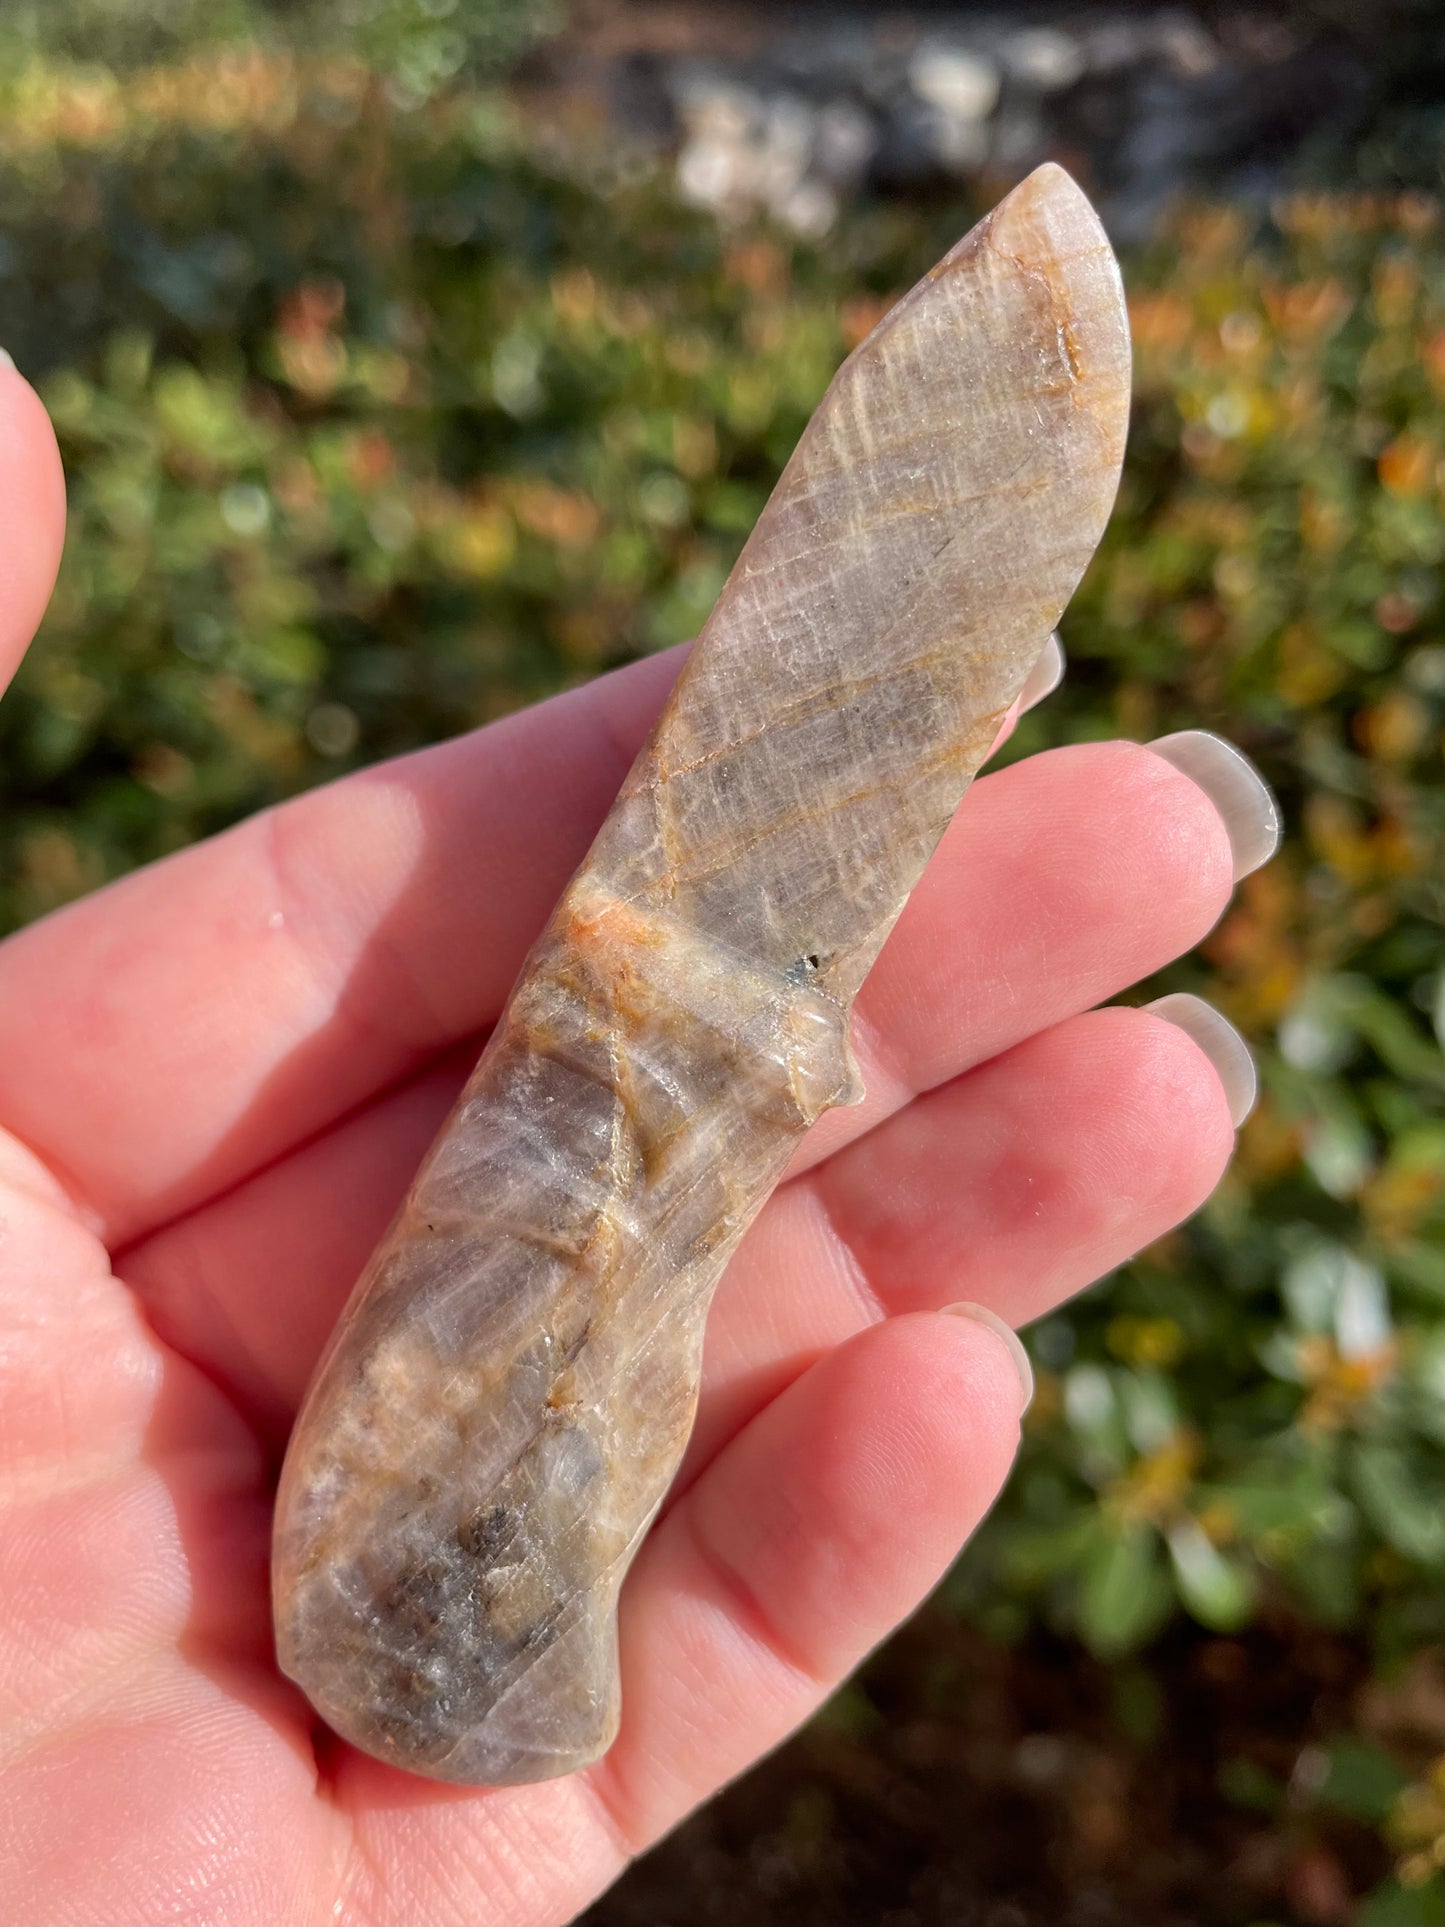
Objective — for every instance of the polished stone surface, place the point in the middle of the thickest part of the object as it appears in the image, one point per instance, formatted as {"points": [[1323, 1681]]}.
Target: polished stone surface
{"points": [[509, 1391]]}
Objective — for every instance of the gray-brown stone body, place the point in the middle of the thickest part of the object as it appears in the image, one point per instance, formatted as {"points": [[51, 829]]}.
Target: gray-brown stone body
{"points": [[508, 1394]]}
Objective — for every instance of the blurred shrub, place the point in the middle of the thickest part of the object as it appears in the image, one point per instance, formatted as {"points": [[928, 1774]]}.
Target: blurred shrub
{"points": [[367, 444], [420, 45], [380, 424], [1254, 1417]]}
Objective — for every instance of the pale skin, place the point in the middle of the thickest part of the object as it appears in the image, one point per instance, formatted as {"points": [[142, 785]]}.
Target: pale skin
{"points": [[216, 1078]]}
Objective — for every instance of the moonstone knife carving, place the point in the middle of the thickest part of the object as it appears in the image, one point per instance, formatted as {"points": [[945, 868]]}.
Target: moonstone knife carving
{"points": [[509, 1391]]}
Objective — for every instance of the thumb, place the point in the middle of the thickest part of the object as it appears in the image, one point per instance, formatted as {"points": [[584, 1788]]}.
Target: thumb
{"points": [[32, 514]]}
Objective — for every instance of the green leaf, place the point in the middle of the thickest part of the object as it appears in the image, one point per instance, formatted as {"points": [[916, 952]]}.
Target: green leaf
{"points": [[1420, 1267], [1279, 1496], [1329, 1289], [1361, 1781], [1394, 1035], [1149, 1406], [1220, 1592], [1095, 1416], [1400, 1501], [1124, 1596]]}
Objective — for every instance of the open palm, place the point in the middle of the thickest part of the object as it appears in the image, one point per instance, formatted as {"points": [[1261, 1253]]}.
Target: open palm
{"points": [[216, 1078]]}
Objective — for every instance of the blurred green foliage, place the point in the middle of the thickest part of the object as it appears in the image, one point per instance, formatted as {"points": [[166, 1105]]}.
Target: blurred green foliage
{"points": [[418, 45], [1254, 1416], [380, 422]]}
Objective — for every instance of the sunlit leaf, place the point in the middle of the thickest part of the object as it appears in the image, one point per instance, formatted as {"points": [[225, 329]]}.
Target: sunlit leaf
{"points": [[1218, 1591]]}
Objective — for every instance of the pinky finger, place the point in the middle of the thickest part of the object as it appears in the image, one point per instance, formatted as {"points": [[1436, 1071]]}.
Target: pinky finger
{"points": [[819, 1528]]}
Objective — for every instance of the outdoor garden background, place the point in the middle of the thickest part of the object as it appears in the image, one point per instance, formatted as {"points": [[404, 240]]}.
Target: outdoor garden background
{"points": [[394, 394]]}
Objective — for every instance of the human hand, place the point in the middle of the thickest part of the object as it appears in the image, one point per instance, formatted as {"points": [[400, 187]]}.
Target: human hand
{"points": [[216, 1079]]}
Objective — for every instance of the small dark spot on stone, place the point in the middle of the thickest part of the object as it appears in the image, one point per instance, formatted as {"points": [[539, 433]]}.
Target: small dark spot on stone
{"points": [[487, 1531], [417, 1598]]}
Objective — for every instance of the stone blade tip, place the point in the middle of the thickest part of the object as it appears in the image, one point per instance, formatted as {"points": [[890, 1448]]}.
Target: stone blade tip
{"points": [[1049, 226], [1048, 216], [1050, 181]]}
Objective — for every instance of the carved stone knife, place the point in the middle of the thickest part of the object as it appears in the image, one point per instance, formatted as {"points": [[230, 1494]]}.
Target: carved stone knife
{"points": [[509, 1391]]}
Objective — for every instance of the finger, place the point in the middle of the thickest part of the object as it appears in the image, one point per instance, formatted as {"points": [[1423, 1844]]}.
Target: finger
{"points": [[133, 1543], [250, 1286], [1015, 1185], [32, 514], [214, 1009], [311, 957], [1064, 880], [815, 1532], [192, 1060]]}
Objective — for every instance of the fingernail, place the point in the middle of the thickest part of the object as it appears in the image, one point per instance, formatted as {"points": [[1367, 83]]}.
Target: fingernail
{"points": [[1235, 788], [7, 360], [1221, 1044], [990, 1320], [1045, 676]]}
